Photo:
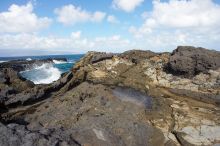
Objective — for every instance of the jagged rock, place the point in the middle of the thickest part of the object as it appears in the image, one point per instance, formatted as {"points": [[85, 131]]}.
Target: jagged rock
{"points": [[12, 84], [100, 57], [98, 125], [12, 78], [21, 65], [16, 91], [18, 135], [126, 99], [26, 97], [189, 61], [137, 55]]}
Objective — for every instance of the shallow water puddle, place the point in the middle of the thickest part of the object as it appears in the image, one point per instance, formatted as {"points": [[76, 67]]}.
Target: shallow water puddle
{"points": [[133, 96]]}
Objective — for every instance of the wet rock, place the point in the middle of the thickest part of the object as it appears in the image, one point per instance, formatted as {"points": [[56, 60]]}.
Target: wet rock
{"points": [[189, 61], [62, 81]]}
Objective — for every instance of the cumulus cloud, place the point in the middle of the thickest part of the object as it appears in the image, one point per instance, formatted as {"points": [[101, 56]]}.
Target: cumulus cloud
{"points": [[70, 14], [126, 5], [187, 13], [76, 35], [75, 43], [20, 19], [112, 19], [180, 22]]}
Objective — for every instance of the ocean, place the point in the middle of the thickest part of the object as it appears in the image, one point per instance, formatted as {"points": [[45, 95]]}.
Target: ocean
{"points": [[48, 72]]}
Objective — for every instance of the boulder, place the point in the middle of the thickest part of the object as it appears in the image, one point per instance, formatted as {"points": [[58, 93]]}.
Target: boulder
{"points": [[189, 61]]}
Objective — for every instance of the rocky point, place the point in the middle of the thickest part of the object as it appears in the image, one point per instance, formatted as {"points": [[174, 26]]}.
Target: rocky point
{"points": [[134, 98]]}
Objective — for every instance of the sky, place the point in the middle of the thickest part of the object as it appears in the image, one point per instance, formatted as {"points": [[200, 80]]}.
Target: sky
{"points": [[43, 27]]}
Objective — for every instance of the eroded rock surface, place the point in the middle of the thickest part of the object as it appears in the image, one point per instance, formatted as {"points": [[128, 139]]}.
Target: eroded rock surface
{"points": [[190, 61], [122, 99], [21, 65]]}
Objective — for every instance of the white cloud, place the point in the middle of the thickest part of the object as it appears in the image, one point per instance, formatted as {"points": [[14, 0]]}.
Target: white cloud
{"points": [[180, 22], [75, 43], [98, 16], [112, 19], [145, 15], [126, 5], [22, 19], [76, 35], [70, 14], [186, 13]]}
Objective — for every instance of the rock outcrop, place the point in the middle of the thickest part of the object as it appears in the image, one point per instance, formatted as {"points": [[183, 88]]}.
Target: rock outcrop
{"points": [[190, 61], [21, 65], [20, 135], [120, 99]]}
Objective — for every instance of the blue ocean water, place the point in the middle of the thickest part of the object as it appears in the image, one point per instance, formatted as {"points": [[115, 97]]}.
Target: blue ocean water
{"points": [[46, 73]]}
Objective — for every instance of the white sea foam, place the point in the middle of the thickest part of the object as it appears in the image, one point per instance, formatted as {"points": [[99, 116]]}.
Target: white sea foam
{"points": [[28, 59], [59, 61], [2, 61], [43, 74]]}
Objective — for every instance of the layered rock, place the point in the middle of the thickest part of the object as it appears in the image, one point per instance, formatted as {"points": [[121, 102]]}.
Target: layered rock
{"points": [[124, 99]]}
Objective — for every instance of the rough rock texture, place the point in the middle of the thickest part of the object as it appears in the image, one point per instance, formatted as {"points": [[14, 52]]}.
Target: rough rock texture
{"points": [[124, 99], [100, 56], [20, 65], [190, 61], [35, 94], [137, 55], [11, 83], [20, 135]]}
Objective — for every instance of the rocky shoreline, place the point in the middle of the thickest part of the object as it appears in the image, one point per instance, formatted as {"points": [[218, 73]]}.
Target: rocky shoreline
{"points": [[133, 98], [21, 65]]}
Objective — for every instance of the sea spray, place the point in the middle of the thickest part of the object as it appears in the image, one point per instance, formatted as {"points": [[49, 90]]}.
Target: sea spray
{"points": [[58, 62], [43, 74]]}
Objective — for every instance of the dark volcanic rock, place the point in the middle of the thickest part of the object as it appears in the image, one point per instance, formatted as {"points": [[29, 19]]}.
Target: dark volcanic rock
{"points": [[37, 93], [25, 97], [120, 99], [137, 55], [89, 114], [189, 61], [11, 83], [20, 65], [17, 135], [100, 56]]}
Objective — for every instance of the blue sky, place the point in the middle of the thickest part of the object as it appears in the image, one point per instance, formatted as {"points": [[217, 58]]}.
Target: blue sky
{"points": [[39, 27]]}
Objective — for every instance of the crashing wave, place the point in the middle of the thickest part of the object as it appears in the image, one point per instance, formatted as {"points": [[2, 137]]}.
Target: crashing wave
{"points": [[58, 62], [43, 74], [2, 61], [28, 59]]}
